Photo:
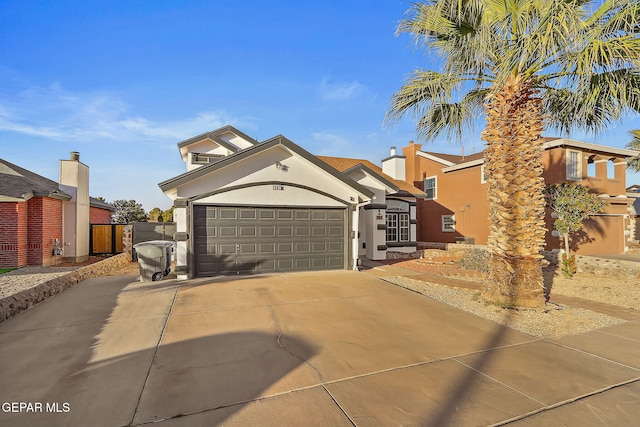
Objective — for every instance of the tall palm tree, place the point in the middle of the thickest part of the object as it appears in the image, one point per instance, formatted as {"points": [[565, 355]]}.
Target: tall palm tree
{"points": [[634, 144], [525, 65]]}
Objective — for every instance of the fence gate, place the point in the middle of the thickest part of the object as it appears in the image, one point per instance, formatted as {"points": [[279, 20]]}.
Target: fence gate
{"points": [[105, 238]]}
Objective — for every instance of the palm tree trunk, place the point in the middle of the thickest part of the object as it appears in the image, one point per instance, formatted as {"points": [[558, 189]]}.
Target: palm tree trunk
{"points": [[513, 165]]}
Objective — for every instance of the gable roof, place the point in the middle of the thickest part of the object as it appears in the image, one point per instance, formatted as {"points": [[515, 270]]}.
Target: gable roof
{"points": [[214, 136], [250, 151], [95, 203], [19, 184], [346, 165]]}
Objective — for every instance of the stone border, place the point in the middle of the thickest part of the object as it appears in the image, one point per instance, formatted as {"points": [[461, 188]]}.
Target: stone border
{"points": [[24, 300]]}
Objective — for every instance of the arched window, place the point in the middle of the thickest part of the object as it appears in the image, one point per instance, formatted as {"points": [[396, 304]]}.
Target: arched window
{"points": [[591, 166], [611, 169]]}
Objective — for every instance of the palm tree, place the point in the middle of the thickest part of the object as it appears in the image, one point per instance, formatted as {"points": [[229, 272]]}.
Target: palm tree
{"points": [[634, 144], [525, 65]]}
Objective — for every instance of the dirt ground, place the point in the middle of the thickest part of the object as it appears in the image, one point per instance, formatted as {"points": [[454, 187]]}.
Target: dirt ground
{"points": [[620, 288]]}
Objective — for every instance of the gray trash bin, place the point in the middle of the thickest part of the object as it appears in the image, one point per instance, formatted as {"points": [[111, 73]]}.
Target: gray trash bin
{"points": [[154, 259]]}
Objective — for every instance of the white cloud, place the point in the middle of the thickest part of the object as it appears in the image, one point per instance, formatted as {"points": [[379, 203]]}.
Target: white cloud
{"points": [[57, 114], [341, 91]]}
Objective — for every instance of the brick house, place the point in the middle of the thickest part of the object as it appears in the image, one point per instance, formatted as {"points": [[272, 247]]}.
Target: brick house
{"points": [[39, 217], [456, 208]]}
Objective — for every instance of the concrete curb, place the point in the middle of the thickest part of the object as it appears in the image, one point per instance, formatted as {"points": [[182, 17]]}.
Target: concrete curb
{"points": [[24, 300]]}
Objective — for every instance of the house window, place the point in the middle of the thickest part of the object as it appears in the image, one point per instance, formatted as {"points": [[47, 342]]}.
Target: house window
{"points": [[448, 223], [430, 187], [203, 159], [611, 169], [398, 221], [392, 228], [574, 166], [591, 166]]}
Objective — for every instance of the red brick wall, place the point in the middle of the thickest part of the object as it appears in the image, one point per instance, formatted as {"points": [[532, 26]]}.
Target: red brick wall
{"points": [[44, 220], [99, 216], [13, 234]]}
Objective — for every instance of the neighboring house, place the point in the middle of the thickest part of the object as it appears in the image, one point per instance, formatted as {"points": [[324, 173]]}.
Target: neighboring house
{"points": [[40, 218], [389, 222], [100, 212], [245, 206], [634, 193], [456, 207]]}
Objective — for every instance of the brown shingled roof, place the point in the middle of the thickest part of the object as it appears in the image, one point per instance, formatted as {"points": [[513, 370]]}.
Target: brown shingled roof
{"points": [[342, 164]]}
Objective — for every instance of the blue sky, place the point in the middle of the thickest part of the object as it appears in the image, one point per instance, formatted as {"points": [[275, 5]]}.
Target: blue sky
{"points": [[123, 82]]}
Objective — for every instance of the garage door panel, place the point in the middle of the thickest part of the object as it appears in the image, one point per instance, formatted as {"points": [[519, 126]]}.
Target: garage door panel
{"points": [[228, 231], [266, 231], [285, 248], [248, 231], [285, 231], [231, 240], [267, 248]]}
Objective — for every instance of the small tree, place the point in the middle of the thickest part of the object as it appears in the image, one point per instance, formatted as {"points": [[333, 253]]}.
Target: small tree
{"points": [[128, 211], [571, 203], [155, 214], [168, 215]]}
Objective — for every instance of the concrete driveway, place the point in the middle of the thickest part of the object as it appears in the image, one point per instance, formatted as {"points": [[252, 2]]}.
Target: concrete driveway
{"points": [[323, 348]]}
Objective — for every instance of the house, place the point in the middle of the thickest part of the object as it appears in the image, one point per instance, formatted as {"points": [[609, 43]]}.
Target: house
{"points": [[40, 218], [389, 222], [456, 207], [244, 206], [100, 212], [633, 192]]}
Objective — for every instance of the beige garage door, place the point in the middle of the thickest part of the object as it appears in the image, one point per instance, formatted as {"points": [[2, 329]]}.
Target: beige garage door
{"points": [[245, 240]]}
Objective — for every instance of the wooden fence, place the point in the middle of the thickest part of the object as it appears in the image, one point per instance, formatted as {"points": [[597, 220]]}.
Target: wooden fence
{"points": [[105, 238]]}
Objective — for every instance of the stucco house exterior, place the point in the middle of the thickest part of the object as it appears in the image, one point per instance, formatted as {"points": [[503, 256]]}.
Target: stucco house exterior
{"points": [[40, 218], [244, 206], [456, 207], [389, 222]]}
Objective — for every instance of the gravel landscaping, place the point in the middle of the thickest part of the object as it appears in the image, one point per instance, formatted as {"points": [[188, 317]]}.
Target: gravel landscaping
{"points": [[554, 320]]}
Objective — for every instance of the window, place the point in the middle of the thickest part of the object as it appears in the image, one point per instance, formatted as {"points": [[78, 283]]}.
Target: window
{"points": [[203, 159], [591, 166], [392, 228], [611, 169], [430, 187], [398, 221], [403, 227], [574, 166], [398, 227], [448, 223]]}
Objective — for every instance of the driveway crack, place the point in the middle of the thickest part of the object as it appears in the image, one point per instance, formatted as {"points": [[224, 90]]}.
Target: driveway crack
{"points": [[306, 362], [293, 353]]}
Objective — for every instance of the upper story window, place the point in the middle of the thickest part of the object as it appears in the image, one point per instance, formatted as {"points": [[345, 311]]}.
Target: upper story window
{"points": [[611, 169], [591, 166], [203, 158], [574, 165], [430, 184]]}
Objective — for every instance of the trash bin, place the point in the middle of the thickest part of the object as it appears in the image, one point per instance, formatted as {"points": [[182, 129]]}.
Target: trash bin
{"points": [[154, 259]]}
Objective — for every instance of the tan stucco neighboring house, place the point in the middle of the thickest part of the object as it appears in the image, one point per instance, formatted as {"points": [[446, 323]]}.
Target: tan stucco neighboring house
{"points": [[245, 206], [456, 206]]}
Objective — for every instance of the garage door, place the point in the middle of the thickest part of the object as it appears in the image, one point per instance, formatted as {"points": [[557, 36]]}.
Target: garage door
{"points": [[244, 240]]}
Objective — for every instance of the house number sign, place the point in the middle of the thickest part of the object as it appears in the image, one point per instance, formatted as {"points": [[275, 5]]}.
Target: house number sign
{"points": [[278, 187]]}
